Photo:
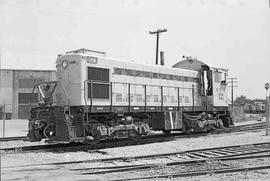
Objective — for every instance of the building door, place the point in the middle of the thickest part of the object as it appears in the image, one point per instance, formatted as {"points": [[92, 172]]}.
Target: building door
{"points": [[23, 104]]}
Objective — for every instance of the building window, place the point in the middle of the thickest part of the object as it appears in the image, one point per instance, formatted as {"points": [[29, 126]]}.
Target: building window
{"points": [[28, 83], [24, 98]]}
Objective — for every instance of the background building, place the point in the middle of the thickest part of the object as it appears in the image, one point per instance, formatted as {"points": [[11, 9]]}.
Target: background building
{"points": [[16, 87]]}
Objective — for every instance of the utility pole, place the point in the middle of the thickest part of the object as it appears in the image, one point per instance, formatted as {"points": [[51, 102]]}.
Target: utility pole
{"points": [[4, 118], [267, 109], [157, 44], [0, 68], [232, 86], [0, 58]]}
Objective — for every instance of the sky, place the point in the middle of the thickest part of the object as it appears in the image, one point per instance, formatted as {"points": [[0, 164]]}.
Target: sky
{"points": [[232, 34]]}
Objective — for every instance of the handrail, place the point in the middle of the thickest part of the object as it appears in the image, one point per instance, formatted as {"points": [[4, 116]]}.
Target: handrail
{"points": [[32, 95], [66, 95], [50, 82], [87, 50], [148, 85], [129, 92], [85, 101]]}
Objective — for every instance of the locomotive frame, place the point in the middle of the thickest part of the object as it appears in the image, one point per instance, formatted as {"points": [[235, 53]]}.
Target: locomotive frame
{"points": [[95, 115]]}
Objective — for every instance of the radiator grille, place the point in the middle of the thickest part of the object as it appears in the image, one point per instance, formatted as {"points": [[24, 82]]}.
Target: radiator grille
{"points": [[98, 91], [99, 87], [98, 74]]}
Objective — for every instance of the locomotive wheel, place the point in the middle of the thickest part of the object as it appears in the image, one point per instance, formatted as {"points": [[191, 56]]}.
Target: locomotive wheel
{"points": [[92, 142], [166, 131], [96, 140], [91, 131]]}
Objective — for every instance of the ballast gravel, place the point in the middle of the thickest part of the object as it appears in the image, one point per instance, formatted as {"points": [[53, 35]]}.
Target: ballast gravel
{"points": [[24, 166]]}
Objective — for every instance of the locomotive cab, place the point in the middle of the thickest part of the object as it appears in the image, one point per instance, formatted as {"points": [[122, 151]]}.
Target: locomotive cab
{"points": [[212, 91]]}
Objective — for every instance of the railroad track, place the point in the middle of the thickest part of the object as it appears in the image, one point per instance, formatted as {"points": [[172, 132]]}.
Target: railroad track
{"points": [[103, 144], [254, 126], [199, 172], [249, 127], [190, 156], [13, 138], [183, 157], [180, 164], [126, 142], [180, 159]]}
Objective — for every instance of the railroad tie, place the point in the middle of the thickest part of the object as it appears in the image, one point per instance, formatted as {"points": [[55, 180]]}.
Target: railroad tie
{"points": [[202, 155], [193, 156], [211, 154], [221, 152]]}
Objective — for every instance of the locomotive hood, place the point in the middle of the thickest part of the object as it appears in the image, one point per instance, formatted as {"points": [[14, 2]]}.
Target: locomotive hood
{"points": [[190, 64]]}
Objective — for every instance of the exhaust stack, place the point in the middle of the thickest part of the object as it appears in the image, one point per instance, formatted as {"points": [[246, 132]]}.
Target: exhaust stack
{"points": [[162, 58]]}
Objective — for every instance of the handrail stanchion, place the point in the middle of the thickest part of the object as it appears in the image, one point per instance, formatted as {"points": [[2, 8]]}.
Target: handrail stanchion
{"points": [[145, 98], [111, 96], [129, 97], [161, 92]]}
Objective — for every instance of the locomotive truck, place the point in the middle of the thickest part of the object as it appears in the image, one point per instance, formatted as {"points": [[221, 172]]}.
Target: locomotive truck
{"points": [[100, 98]]}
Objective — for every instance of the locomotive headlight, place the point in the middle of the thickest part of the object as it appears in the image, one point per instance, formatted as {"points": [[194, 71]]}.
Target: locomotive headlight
{"points": [[64, 64]]}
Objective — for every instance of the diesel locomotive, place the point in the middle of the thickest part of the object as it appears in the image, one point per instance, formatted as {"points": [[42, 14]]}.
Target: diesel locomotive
{"points": [[98, 98]]}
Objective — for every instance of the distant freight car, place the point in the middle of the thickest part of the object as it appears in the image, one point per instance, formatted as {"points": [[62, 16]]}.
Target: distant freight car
{"points": [[97, 98]]}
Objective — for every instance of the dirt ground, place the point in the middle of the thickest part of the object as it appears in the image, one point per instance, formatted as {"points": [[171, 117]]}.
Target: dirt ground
{"points": [[23, 166]]}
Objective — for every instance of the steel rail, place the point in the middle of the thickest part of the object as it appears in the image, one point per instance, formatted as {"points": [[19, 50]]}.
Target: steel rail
{"points": [[184, 162], [33, 148], [199, 173], [24, 138], [121, 142], [239, 147], [157, 155], [13, 138], [222, 158]]}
